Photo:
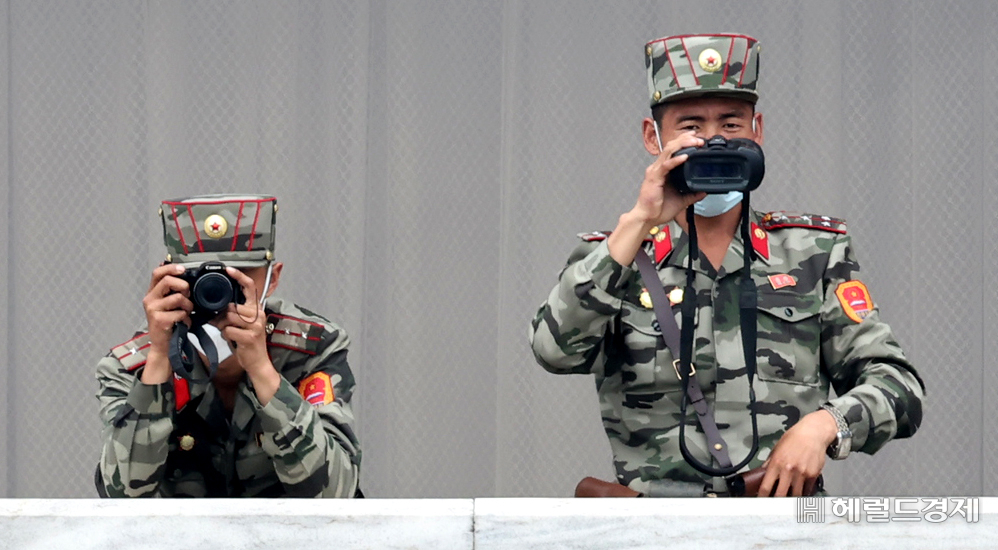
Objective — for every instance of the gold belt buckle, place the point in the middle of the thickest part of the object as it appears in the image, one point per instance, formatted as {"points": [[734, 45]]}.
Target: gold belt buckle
{"points": [[675, 367]]}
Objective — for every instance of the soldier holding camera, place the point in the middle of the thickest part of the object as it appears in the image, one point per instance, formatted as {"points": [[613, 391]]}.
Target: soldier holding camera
{"points": [[226, 392], [772, 314]]}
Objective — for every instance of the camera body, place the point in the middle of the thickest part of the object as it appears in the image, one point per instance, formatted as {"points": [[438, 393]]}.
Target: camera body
{"points": [[212, 290], [720, 166]]}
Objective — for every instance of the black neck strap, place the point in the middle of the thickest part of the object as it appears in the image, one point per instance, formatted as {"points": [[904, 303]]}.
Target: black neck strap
{"points": [[182, 352]]}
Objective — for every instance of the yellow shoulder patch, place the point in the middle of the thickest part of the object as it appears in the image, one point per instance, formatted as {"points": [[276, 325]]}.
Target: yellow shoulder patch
{"points": [[317, 389], [855, 299]]}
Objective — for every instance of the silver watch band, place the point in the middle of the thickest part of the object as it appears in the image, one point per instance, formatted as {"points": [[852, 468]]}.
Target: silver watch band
{"points": [[839, 448]]}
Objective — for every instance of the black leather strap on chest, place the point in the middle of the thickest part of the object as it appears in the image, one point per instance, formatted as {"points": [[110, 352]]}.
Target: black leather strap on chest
{"points": [[681, 341], [671, 335]]}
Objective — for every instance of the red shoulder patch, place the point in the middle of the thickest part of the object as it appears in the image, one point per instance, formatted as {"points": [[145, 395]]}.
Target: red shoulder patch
{"points": [[780, 220]]}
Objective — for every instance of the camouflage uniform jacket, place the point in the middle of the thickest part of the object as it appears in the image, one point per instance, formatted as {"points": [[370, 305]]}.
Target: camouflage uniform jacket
{"points": [[176, 439], [594, 322]]}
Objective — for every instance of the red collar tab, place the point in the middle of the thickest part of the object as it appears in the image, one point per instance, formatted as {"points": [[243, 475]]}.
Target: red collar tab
{"points": [[760, 241], [181, 391], [663, 242]]}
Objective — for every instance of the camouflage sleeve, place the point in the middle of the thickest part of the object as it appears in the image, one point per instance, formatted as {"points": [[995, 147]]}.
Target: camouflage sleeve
{"points": [[879, 392], [314, 448], [137, 421], [570, 329]]}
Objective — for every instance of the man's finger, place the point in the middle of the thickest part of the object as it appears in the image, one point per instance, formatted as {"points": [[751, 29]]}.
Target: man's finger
{"points": [[172, 302], [246, 282], [169, 284], [766, 487], [163, 271], [243, 316], [166, 319], [786, 478], [686, 140], [233, 333], [797, 488]]}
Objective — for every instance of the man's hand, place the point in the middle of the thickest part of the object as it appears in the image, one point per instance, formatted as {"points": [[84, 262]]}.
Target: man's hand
{"points": [[658, 202], [799, 455], [244, 325], [166, 303]]}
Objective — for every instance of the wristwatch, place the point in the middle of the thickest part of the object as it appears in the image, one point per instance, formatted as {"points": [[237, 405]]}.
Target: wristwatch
{"points": [[839, 448]]}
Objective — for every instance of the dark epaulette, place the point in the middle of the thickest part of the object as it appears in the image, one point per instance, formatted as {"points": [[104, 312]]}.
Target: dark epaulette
{"points": [[780, 220], [596, 236], [294, 334], [132, 354]]}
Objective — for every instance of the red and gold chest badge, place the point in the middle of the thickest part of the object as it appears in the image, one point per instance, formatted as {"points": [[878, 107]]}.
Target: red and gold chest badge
{"points": [[855, 299], [317, 389], [782, 280]]}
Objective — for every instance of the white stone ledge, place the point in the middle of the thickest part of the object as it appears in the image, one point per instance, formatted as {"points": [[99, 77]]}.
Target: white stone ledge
{"points": [[709, 524], [161, 524], [483, 524]]}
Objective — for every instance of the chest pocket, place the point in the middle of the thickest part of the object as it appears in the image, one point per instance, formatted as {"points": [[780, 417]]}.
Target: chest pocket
{"points": [[646, 363], [789, 345]]}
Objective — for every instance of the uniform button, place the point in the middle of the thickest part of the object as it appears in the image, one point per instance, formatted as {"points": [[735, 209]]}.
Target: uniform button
{"points": [[789, 312], [655, 326]]}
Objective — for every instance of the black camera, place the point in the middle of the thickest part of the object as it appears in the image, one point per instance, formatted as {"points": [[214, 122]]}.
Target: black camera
{"points": [[720, 166], [212, 290]]}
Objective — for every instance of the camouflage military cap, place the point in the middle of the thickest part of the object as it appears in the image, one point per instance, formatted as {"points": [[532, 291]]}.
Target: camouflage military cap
{"points": [[238, 230], [694, 65]]}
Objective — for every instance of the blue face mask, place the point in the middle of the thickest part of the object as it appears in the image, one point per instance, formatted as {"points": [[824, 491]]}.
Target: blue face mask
{"points": [[715, 205]]}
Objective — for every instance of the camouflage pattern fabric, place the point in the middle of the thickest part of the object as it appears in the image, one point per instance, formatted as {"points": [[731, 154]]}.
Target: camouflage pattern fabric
{"points": [[681, 67], [176, 439], [594, 322], [238, 230]]}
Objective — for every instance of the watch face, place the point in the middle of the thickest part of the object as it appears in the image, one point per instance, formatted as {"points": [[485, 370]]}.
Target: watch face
{"points": [[840, 448]]}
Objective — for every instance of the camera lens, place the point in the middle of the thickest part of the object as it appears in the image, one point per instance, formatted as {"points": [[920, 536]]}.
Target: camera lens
{"points": [[718, 169], [212, 292]]}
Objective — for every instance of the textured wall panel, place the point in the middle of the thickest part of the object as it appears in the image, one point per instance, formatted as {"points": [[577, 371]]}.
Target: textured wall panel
{"points": [[434, 161]]}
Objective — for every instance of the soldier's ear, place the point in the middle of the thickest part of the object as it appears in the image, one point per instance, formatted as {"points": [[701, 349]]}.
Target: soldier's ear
{"points": [[649, 132], [757, 127], [275, 276]]}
